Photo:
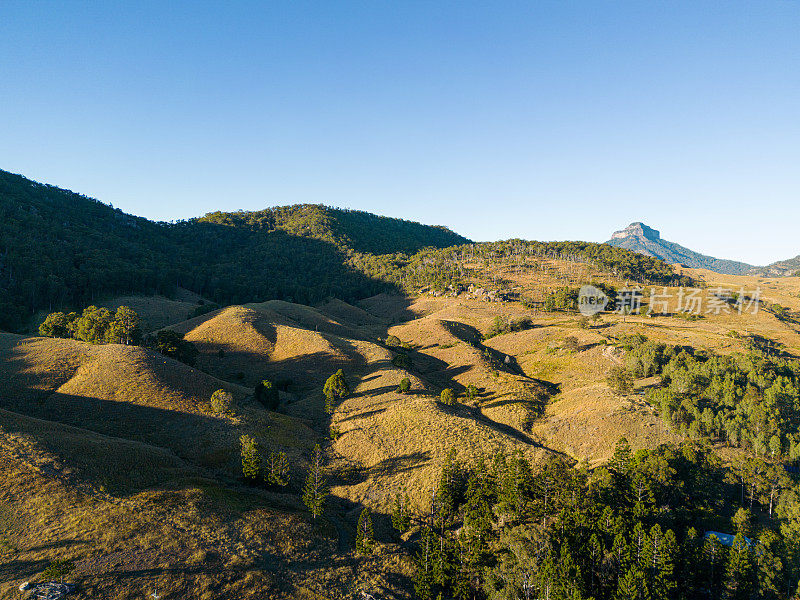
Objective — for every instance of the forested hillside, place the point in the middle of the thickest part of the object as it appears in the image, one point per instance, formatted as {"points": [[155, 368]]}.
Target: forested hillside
{"points": [[357, 230], [62, 250]]}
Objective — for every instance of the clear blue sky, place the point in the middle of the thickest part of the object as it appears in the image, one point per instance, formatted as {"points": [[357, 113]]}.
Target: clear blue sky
{"points": [[542, 120]]}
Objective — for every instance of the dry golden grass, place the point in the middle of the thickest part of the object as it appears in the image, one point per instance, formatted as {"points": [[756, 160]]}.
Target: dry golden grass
{"points": [[313, 319], [135, 394], [113, 447], [256, 342], [201, 541], [156, 312], [352, 315]]}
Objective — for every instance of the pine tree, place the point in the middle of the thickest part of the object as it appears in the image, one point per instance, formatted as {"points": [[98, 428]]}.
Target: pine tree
{"points": [[714, 553], [364, 533], [769, 565], [638, 539], [621, 459], [632, 586], [251, 458], [515, 485], [441, 564], [450, 483], [277, 469], [569, 574], [596, 553], [620, 555], [740, 571], [691, 560], [424, 572], [401, 518], [658, 564], [471, 393], [315, 490], [742, 520]]}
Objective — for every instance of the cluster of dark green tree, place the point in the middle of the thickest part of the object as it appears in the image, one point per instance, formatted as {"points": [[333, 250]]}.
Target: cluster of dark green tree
{"points": [[634, 530], [502, 325], [95, 325], [620, 262], [750, 400], [565, 298], [102, 326], [272, 468], [348, 229]]}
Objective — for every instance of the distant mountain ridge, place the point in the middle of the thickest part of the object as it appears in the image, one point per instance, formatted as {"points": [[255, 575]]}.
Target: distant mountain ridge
{"points": [[783, 268], [640, 238]]}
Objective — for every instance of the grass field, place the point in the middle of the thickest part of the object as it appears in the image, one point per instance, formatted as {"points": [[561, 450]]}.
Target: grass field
{"points": [[113, 459]]}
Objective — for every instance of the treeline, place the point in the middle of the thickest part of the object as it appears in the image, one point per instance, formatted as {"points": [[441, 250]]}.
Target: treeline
{"points": [[95, 325], [620, 262], [60, 250], [749, 400], [636, 529], [102, 326], [348, 229]]}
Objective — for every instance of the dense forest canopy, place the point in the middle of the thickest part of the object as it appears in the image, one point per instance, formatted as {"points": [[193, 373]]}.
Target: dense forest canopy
{"points": [[62, 251], [663, 524], [347, 229]]}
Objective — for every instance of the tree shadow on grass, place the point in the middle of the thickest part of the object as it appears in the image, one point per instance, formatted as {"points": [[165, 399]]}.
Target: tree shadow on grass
{"points": [[21, 569]]}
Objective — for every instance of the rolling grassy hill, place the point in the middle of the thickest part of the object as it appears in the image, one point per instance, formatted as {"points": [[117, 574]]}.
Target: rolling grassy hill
{"points": [[108, 448], [111, 457]]}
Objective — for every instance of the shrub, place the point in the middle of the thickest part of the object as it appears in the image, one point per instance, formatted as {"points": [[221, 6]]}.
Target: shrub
{"points": [[283, 384], [203, 309], [58, 569], [571, 343], [620, 380], [221, 402], [267, 394], [401, 361], [171, 343], [335, 388], [405, 385], [472, 392], [393, 341], [500, 326], [448, 396]]}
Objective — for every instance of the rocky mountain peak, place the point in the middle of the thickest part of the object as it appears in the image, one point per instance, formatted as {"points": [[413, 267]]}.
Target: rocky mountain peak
{"points": [[639, 230]]}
